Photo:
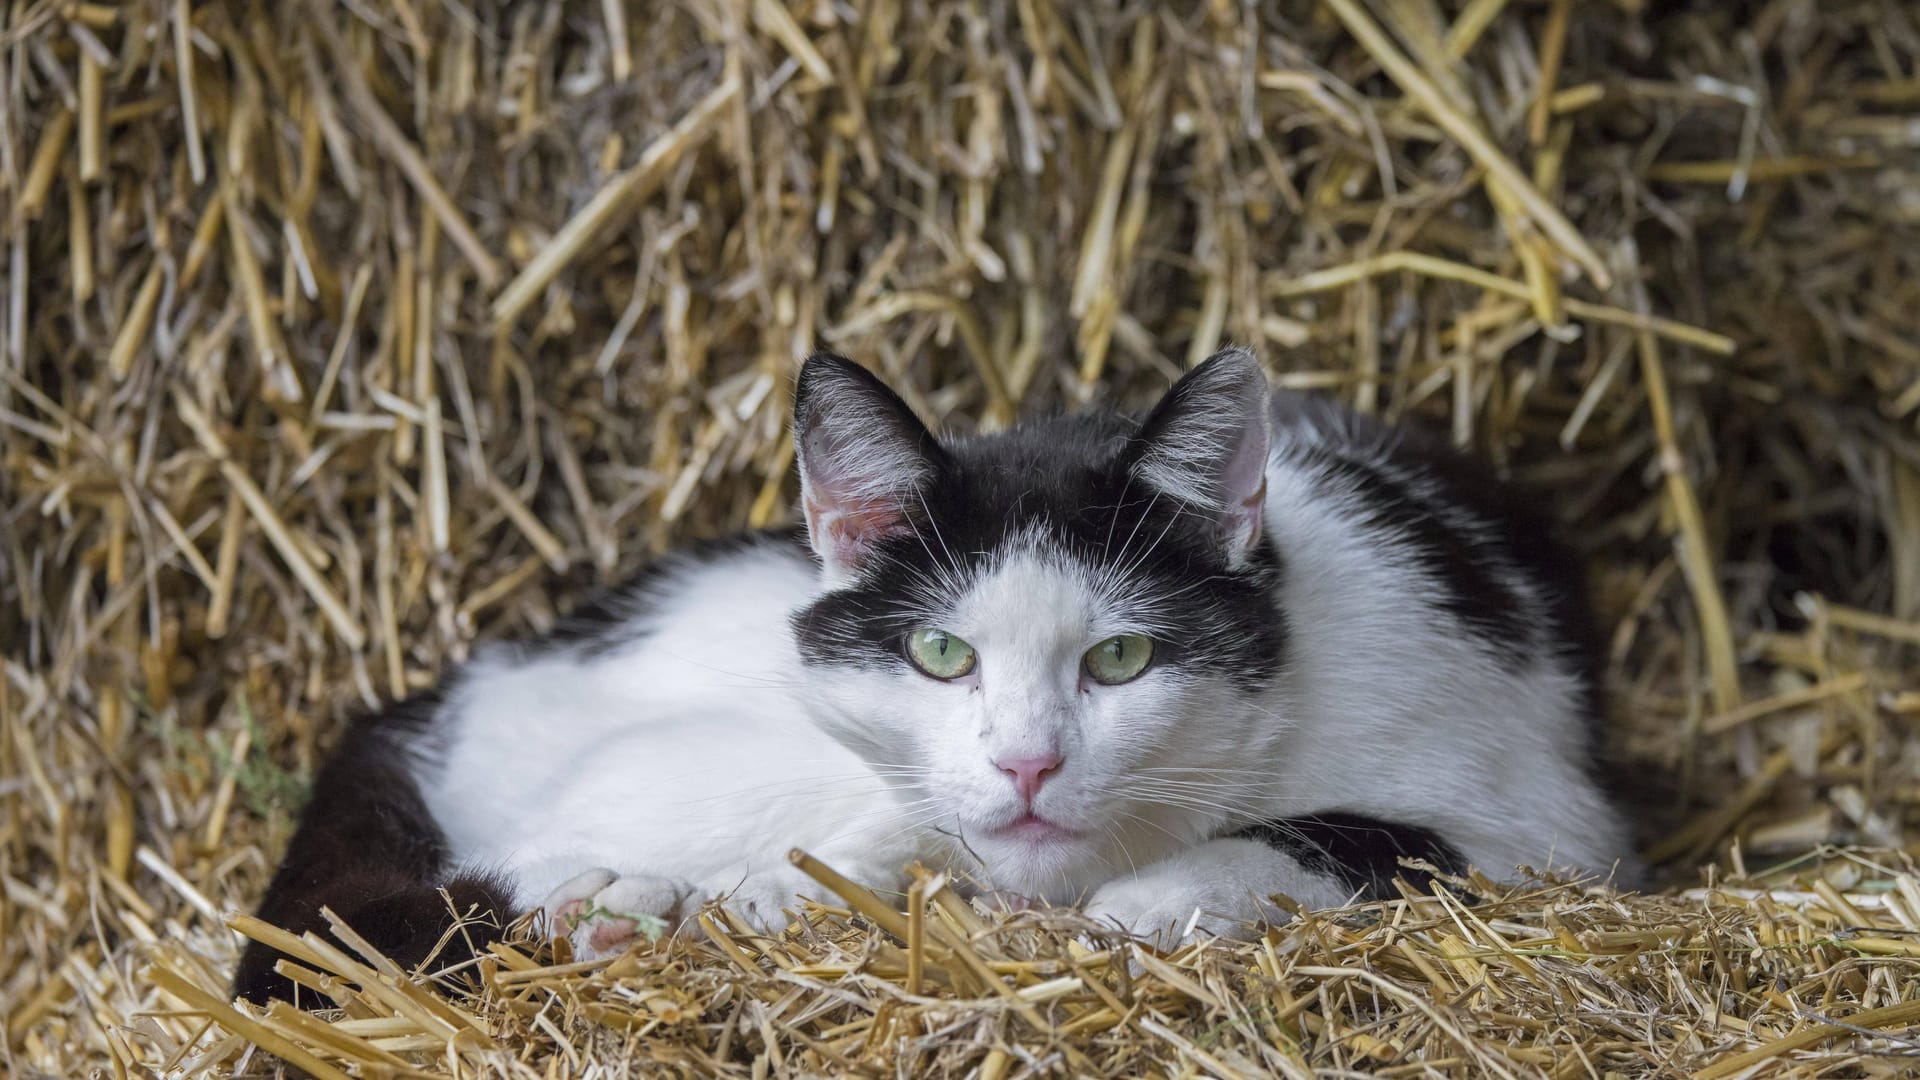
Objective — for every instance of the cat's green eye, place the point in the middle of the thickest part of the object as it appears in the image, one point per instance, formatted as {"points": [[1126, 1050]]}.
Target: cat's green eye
{"points": [[1119, 659], [940, 654]]}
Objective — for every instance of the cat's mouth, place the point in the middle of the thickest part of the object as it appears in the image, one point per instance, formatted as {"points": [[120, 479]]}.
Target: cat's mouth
{"points": [[1033, 828], [1038, 856]]}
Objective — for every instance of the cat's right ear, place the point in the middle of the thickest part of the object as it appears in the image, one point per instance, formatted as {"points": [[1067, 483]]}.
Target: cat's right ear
{"points": [[864, 461]]}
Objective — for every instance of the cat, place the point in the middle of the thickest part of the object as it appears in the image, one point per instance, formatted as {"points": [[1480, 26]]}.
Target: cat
{"points": [[1167, 667]]}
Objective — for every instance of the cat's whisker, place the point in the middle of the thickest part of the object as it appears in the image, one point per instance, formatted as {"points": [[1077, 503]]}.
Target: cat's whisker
{"points": [[1140, 560], [1119, 839], [1223, 792], [1300, 837], [782, 787], [1147, 821], [1113, 521], [1153, 499], [822, 792], [1224, 809], [1236, 808], [1112, 829], [1192, 776], [934, 815], [1198, 770], [950, 570], [900, 826], [906, 809], [1240, 783], [917, 819], [1244, 798]]}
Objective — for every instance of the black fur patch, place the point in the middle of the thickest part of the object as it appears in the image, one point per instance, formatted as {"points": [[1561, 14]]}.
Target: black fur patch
{"points": [[1362, 852], [1522, 524], [1521, 533], [368, 849], [1513, 536], [1465, 569], [1065, 479]]}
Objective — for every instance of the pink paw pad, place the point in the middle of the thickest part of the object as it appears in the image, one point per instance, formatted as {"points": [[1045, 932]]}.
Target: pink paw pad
{"points": [[602, 913]]}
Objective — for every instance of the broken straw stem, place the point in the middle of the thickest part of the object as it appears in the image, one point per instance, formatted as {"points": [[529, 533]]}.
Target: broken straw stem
{"points": [[858, 897]]}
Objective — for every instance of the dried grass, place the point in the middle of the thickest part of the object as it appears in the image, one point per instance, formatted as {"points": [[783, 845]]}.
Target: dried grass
{"points": [[338, 336]]}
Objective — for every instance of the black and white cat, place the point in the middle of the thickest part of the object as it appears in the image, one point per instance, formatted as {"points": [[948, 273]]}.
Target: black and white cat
{"points": [[1166, 668]]}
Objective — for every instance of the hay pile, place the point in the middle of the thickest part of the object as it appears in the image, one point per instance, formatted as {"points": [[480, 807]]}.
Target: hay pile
{"points": [[338, 335]]}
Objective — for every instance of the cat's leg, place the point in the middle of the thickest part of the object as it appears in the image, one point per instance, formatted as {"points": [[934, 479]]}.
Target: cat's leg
{"points": [[408, 919], [369, 851], [1224, 887], [599, 902], [601, 912]]}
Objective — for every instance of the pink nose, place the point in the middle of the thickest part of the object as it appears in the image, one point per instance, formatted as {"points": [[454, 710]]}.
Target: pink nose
{"points": [[1029, 772]]}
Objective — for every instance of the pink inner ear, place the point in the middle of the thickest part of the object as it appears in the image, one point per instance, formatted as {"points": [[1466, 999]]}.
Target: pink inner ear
{"points": [[845, 531], [1245, 520], [1244, 483]]}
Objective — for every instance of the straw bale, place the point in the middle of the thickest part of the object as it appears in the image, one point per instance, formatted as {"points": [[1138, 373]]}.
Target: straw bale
{"points": [[336, 337]]}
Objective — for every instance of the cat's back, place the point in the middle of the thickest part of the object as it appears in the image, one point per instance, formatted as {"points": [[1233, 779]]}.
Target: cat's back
{"points": [[1422, 590], [1442, 658]]}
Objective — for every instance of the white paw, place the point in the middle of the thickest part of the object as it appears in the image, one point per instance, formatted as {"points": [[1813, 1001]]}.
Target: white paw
{"points": [[1154, 910], [1222, 888], [601, 912], [764, 899]]}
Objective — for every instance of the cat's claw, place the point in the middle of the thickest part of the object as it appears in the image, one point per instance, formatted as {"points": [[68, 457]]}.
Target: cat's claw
{"points": [[601, 913]]}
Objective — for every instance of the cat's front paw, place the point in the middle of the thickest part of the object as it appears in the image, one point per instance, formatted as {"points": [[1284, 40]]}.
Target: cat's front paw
{"points": [[601, 913], [765, 898], [1167, 914], [1222, 888]]}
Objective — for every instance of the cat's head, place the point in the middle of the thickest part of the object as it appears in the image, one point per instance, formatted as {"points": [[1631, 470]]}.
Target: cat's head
{"points": [[1052, 638]]}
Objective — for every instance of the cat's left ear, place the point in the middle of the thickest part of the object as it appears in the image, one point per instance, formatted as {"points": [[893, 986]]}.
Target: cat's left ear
{"points": [[864, 458], [1206, 444]]}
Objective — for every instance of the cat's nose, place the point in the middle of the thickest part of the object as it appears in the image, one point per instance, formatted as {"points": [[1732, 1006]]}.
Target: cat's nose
{"points": [[1029, 772]]}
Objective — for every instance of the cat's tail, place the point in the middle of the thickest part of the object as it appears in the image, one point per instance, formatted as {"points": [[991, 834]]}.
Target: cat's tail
{"points": [[368, 850]]}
